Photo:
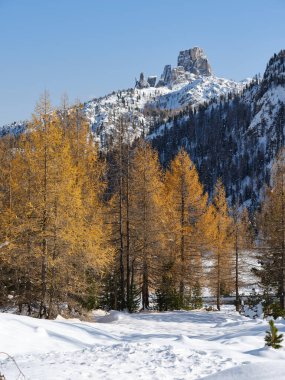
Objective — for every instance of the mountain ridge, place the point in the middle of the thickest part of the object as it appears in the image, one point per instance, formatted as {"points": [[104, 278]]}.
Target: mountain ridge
{"points": [[236, 138], [231, 130]]}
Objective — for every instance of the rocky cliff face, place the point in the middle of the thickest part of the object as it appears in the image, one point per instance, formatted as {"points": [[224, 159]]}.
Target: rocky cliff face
{"points": [[191, 64], [194, 61]]}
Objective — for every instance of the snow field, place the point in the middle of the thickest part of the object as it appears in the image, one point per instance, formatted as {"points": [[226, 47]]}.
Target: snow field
{"points": [[171, 345]]}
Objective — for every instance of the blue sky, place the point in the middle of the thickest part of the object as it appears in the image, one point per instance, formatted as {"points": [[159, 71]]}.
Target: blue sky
{"points": [[87, 48]]}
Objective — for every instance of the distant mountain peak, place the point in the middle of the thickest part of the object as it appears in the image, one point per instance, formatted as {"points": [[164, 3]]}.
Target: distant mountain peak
{"points": [[195, 61], [190, 63]]}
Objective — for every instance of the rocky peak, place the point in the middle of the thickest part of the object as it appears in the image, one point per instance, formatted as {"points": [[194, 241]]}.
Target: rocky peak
{"points": [[195, 61], [142, 83]]}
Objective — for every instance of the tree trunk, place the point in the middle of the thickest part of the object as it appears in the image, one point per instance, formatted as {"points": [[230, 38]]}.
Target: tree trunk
{"points": [[121, 221], [182, 243], [128, 234], [282, 277], [237, 271], [44, 227], [145, 293], [218, 284]]}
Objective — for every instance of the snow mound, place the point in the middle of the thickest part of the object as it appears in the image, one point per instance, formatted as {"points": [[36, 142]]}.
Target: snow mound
{"points": [[253, 371], [112, 316]]}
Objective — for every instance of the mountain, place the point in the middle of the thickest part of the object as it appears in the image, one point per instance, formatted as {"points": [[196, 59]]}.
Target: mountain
{"points": [[190, 83], [235, 137], [231, 130]]}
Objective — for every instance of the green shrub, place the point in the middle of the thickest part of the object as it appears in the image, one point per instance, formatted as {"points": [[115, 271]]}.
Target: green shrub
{"points": [[272, 338]]}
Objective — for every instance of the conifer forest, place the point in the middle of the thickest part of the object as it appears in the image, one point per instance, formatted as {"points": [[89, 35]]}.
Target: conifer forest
{"points": [[84, 228]]}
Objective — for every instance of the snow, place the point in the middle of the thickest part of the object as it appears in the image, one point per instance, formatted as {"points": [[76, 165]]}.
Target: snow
{"points": [[260, 371], [134, 102], [269, 105], [170, 345]]}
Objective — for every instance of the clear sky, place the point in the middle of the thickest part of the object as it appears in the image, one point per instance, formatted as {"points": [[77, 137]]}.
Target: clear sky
{"points": [[87, 48]]}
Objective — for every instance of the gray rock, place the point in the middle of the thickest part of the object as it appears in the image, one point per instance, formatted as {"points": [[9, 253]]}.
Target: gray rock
{"points": [[166, 75], [142, 83], [160, 83], [195, 61], [179, 75], [151, 81]]}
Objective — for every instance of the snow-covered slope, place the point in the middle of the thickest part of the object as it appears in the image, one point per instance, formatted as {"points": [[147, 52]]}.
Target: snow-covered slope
{"points": [[192, 82], [151, 346], [198, 90], [236, 137], [177, 88], [15, 128]]}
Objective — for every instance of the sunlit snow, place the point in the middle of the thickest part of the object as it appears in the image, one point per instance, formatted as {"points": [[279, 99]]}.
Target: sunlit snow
{"points": [[170, 345]]}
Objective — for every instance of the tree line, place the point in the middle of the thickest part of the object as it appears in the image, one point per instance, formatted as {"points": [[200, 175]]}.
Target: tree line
{"points": [[84, 228]]}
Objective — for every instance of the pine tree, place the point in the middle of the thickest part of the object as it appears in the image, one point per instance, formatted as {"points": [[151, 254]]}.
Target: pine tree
{"points": [[166, 295], [272, 338], [197, 301]]}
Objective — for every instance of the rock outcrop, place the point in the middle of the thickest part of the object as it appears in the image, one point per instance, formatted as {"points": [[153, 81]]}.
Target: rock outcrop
{"points": [[179, 75], [190, 62], [151, 80], [194, 61], [142, 83]]}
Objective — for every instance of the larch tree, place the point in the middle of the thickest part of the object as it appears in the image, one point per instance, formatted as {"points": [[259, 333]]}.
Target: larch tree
{"points": [[271, 222], [146, 210], [94, 247], [186, 202], [219, 225], [242, 232], [122, 287], [59, 225], [8, 275]]}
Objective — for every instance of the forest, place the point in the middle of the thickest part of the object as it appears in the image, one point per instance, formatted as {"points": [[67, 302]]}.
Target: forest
{"points": [[84, 228]]}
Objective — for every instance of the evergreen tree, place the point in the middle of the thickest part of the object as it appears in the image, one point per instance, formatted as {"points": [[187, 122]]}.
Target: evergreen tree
{"points": [[166, 295], [272, 338]]}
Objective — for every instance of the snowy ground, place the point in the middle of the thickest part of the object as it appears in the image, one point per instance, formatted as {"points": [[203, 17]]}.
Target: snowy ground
{"points": [[173, 345]]}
